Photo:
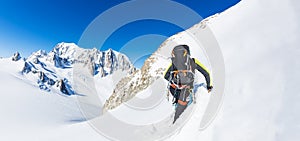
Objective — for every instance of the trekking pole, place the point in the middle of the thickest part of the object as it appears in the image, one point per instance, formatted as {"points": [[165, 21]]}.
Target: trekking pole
{"points": [[168, 94], [194, 96], [167, 91], [168, 87]]}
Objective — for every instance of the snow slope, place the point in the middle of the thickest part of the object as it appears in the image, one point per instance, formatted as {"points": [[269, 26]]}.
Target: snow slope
{"points": [[28, 113], [259, 41], [259, 44]]}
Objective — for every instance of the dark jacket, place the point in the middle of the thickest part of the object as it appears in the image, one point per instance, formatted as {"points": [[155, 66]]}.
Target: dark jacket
{"points": [[196, 65]]}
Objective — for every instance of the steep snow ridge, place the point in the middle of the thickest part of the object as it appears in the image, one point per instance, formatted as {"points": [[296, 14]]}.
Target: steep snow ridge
{"points": [[149, 81], [259, 41], [259, 45], [155, 66]]}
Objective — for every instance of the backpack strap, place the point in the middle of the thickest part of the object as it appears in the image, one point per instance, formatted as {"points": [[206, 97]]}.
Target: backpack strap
{"points": [[193, 65]]}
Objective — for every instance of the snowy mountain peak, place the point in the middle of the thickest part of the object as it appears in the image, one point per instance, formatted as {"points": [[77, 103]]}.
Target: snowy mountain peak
{"points": [[16, 56], [40, 53], [66, 45], [110, 51], [54, 70], [65, 50]]}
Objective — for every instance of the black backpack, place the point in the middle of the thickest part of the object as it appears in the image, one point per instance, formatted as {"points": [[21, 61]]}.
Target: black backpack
{"points": [[183, 73]]}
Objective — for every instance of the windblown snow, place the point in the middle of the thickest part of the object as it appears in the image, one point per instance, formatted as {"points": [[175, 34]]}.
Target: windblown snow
{"points": [[259, 43]]}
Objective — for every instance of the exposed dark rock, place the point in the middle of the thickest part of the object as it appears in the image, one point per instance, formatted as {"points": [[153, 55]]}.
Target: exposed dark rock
{"points": [[16, 56]]}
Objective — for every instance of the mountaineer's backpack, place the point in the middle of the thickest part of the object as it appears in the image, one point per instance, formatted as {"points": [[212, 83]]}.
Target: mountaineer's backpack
{"points": [[183, 74]]}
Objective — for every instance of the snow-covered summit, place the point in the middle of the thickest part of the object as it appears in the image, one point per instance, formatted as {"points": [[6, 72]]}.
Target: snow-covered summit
{"points": [[65, 50], [56, 67]]}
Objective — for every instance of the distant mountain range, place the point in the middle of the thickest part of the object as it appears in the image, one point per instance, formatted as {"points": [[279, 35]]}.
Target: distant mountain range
{"points": [[54, 70]]}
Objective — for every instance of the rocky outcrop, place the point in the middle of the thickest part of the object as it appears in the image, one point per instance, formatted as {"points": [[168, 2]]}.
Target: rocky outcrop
{"points": [[16, 57], [138, 81], [64, 87]]}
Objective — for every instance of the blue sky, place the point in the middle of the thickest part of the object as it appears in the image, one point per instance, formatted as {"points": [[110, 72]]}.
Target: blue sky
{"points": [[29, 25]]}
